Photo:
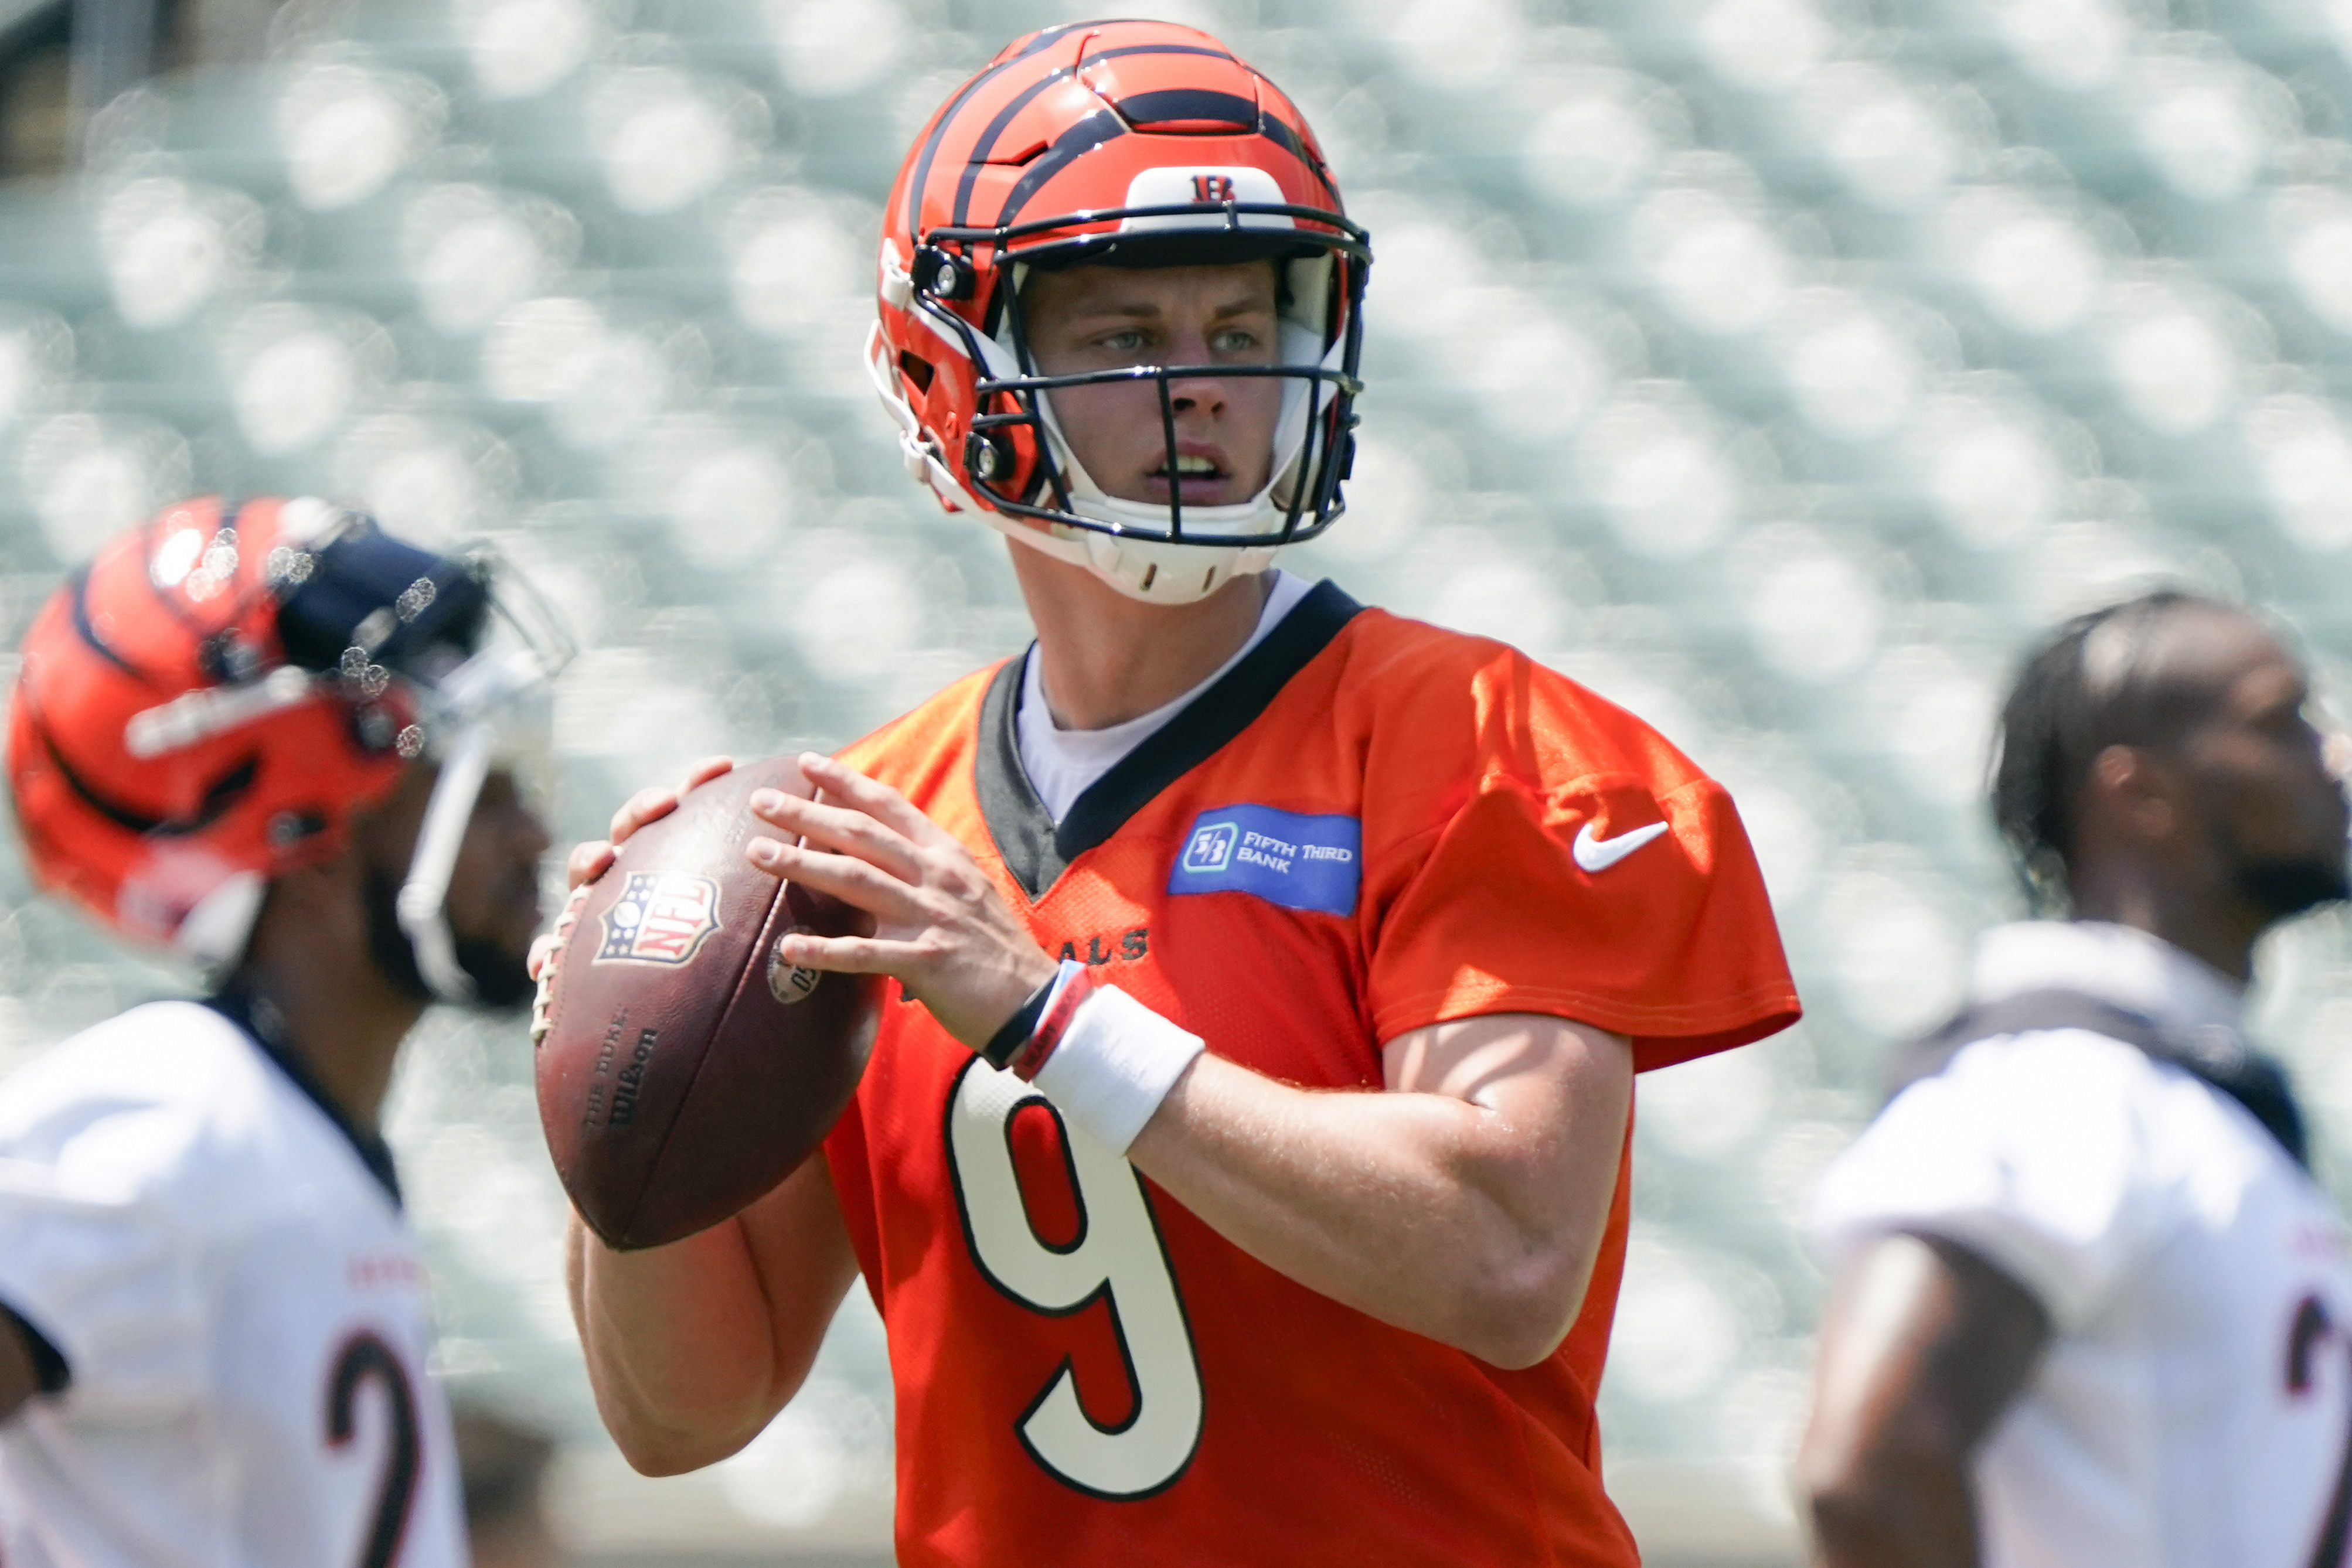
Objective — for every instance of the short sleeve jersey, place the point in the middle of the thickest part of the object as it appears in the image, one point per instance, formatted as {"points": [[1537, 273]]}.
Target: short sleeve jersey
{"points": [[240, 1307], [2191, 1408], [1366, 826]]}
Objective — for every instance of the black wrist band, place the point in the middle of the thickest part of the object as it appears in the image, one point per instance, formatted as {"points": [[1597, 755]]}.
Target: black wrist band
{"points": [[1017, 1029]]}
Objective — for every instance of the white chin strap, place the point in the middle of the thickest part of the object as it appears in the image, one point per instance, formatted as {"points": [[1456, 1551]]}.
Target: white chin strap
{"points": [[422, 902], [214, 932]]}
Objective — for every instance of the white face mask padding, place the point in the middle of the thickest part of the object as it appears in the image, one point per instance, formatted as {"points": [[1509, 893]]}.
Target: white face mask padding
{"points": [[480, 706], [423, 904]]}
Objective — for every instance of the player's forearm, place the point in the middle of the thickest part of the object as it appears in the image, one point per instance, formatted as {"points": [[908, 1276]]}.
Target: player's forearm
{"points": [[680, 1348], [1422, 1210], [1923, 1346]]}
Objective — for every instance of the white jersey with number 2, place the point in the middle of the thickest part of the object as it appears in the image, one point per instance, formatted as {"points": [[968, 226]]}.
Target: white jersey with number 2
{"points": [[2191, 1408], [241, 1309]]}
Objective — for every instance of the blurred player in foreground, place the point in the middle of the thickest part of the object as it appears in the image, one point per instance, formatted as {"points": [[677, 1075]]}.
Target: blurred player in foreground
{"points": [[1345, 935], [2090, 1307], [272, 741], [504, 1465]]}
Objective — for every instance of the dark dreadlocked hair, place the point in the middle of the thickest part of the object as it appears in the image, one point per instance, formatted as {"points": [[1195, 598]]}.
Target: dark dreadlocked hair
{"points": [[2090, 685]]}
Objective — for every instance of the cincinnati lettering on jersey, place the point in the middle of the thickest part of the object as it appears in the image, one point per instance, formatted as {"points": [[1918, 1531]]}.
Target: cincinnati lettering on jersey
{"points": [[1126, 947], [1132, 944], [661, 918], [1297, 861]]}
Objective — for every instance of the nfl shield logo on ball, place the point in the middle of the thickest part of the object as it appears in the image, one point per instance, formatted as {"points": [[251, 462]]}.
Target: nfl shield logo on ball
{"points": [[661, 918]]}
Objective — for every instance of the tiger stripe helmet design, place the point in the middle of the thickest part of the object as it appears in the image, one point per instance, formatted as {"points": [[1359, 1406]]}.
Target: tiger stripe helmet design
{"points": [[204, 707], [1129, 143]]}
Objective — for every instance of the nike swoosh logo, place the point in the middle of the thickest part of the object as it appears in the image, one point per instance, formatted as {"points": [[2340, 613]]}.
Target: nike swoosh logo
{"points": [[1596, 855]]}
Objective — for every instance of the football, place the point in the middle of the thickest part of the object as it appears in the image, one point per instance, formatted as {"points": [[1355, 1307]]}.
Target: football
{"points": [[684, 1072]]}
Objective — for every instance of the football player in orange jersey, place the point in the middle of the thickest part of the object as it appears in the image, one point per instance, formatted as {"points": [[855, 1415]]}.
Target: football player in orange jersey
{"points": [[1243, 1177]]}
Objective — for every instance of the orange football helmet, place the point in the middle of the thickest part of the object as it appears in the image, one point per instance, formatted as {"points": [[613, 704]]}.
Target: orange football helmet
{"points": [[204, 707], [1129, 144]]}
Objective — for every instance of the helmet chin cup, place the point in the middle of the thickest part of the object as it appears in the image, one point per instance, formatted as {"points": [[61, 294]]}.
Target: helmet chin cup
{"points": [[1149, 572], [1156, 574]]}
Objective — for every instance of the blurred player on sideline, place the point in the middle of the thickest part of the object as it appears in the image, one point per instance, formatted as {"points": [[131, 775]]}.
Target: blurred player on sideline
{"points": [[2090, 1307], [504, 1463], [1250, 1183], [272, 740]]}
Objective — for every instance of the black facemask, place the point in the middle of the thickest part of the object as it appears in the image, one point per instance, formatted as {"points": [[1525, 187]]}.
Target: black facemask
{"points": [[502, 982]]}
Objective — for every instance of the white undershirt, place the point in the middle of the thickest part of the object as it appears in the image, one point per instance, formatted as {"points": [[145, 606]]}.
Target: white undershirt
{"points": [[1061, 763]]}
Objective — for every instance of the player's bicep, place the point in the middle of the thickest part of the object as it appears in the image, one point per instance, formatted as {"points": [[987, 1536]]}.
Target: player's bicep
{"points": [[1924, 1345], [1557, 1095], [1525, 1117], [1519, 1062]]}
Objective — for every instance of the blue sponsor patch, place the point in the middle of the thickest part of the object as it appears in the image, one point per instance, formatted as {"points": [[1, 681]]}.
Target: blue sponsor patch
{"points": [[1297, 862]]}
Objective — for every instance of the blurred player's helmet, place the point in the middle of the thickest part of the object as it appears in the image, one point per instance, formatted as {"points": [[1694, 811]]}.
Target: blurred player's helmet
{"points": [[203, 707], [1127, 143]]}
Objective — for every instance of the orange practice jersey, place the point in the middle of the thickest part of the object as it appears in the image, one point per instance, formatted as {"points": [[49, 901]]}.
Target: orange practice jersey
{"points": [[1367, 826]]}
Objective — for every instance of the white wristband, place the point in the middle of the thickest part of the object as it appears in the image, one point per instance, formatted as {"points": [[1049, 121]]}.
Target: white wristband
{"points": [[1114, 1065]]}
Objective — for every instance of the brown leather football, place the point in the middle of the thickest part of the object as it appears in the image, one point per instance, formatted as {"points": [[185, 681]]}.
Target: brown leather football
{"points": [[684, 1072]]}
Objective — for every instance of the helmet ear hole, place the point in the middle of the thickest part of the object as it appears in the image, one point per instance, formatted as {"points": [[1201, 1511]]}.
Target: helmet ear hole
{"points": [[916, 369]]}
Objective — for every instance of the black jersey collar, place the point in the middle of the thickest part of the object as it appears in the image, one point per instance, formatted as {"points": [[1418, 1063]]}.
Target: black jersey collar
{"points": [[1035, 849], [243, 1010]]}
